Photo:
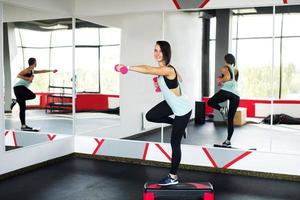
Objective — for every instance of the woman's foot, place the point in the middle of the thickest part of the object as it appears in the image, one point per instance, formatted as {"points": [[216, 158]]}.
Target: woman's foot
{"points": [[26, 128], [13, 103], [169, 180], [226, 143]]}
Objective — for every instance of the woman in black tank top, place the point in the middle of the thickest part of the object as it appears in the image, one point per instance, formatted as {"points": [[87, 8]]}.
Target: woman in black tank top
{"points": [[162, 112]]}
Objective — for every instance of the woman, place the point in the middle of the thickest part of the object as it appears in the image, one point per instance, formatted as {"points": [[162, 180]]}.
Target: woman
{"points": [[228, 91], [175, 103], [22, 92]]}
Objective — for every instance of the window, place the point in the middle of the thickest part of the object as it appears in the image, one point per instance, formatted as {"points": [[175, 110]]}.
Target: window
{"points": [[252, 45], [61, 59], [108, 58], [87, 69], [97, 51]]}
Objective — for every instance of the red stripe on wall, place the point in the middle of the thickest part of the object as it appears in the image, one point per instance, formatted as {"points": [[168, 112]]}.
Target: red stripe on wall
{"points": [[237, 159], [99, 144], [285, 1], [164, 152], [51, 137], [250, 104], [15, 139], [209, 157], [203, 4], [176, 4], [145, 151]]}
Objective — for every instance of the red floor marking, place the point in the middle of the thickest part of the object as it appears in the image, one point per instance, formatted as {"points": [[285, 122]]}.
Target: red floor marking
{"points": [[98, 146], [164, 152]]}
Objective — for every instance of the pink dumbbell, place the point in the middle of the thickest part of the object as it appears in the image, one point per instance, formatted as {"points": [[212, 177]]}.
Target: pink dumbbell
{"points": [[219, 80], [157, 88], [121, 68]]}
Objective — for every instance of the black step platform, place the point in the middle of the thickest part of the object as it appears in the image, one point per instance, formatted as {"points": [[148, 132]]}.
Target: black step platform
{"points": [[182, 191]]}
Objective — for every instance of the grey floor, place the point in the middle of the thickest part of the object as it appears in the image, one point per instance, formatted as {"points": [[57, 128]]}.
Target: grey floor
{"points": [[83, 179], [277, 139], [86, 122]]}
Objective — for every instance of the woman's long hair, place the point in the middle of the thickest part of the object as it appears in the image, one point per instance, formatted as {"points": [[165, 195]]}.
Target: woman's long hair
{"points": [[166, 50]]}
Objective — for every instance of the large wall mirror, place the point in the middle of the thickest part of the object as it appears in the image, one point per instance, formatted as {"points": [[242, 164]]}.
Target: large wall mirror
{"points": [[97, 50], [285, 106], [268, 79], [38, 79]]}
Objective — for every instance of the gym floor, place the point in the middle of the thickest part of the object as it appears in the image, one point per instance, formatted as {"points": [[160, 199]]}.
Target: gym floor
{"points": [[277, 139], [86, 179]]}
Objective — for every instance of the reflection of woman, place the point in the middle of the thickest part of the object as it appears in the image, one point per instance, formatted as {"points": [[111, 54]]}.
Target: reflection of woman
{"points": [[175, 103], [228, 91], [22, 92]]}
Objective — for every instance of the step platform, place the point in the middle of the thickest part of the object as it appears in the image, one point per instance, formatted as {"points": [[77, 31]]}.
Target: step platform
{"points": [[182, 191]]}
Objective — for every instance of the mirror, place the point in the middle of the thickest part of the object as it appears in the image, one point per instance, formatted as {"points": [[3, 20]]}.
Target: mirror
{"points": [[253, 51], [286, 118], [97, 84], [38, 81]]}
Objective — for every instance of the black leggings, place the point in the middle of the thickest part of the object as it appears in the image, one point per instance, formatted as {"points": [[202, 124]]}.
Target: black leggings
{"points": [[22, 94], [234, 101], [161, 114]]}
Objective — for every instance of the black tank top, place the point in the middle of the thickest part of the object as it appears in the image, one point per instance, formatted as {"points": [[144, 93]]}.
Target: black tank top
{"points": [[172, 83]]}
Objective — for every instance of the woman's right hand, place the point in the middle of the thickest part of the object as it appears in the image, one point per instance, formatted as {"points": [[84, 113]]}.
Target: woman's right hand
{"points": [[123, 69]]}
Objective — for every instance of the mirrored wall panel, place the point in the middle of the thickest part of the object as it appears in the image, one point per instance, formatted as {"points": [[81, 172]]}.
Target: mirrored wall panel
{"points": [[97, 51], [38, 80]]}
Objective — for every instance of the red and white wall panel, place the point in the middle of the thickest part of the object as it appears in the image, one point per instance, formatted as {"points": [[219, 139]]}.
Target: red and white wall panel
{"points": [[192, 155]]}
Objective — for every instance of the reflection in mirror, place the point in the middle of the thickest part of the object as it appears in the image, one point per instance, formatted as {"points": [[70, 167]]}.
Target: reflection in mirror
{"points": [[253, 51], [38, 71], [97, 85], [204, 33], [286, 118]]}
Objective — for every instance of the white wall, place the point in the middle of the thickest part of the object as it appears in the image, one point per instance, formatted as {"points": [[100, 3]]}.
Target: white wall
{"points": [[184, 31], [219, 4], [41, 6], [117, 7], [31, 155], [15, 13], [139, 34]]}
